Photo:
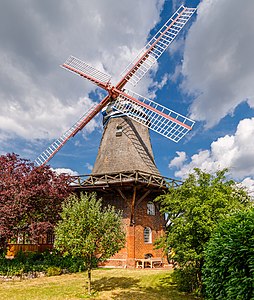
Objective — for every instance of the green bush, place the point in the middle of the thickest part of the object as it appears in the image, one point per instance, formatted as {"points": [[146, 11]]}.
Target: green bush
{"points": [[47, 262], [11, 267], [186, 279], [228, 272], [53, 271]]}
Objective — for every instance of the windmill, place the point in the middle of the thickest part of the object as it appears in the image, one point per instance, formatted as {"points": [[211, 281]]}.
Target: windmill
{"points": [[148, 113], [124, 174]]}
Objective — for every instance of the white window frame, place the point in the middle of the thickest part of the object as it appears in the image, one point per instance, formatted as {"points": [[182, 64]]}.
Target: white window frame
{"points": [[147, 235], [150, 209]]}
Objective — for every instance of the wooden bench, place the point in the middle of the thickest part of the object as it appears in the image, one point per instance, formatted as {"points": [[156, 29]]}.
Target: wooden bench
{"points": [[149, 263]]}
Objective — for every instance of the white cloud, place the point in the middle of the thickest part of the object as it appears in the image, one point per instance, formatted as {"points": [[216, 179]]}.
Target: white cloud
{"points": [[164, 80], [89, 166], [45, 119], [65, 171], [38, 99], [176, 4], [177, 46], [218, 59], [178, 160], [231, 151], [178, 70], [248, 183]]}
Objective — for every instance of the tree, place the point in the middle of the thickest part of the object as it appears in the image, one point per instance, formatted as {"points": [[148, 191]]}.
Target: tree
{"points": [[89, 231], [30, 198], [228, 271], [193, 210]]}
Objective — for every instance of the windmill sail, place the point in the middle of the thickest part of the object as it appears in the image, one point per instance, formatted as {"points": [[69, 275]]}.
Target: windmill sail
{"points": [[156, 46], [156, 117], [46, 155], [81, 68]]}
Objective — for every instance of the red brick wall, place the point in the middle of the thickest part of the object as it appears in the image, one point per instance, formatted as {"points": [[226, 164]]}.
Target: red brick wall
{"points": [[135, 245], [142, 220]]}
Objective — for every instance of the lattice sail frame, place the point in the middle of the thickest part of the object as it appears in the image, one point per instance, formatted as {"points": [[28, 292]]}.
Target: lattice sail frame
{"points": [[156, 117], [83, 69], [57, 144], [157, 45]]}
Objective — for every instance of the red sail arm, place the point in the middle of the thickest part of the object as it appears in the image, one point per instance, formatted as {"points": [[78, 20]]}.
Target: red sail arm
{"points": [[155, 47], [81, 68], [45, 156], [156, 117]]}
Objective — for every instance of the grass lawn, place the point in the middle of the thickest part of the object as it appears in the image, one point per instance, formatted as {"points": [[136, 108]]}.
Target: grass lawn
{"points": [[117, 284]]}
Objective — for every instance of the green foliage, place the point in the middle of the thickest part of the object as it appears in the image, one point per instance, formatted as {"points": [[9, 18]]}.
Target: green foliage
{"points": [[53, 271], [229, 259], [89, 231], [185, 278], [25, 263], [193, 211]]}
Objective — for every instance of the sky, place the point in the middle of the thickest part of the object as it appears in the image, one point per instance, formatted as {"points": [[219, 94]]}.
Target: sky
{"points": [[207, 74]]}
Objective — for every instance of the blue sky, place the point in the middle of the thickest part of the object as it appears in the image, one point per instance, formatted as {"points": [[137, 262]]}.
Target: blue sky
{"points": [[208, 74]]}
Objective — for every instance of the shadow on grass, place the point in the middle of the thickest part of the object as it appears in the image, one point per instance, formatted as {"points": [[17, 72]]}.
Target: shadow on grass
{"points": [[155, 293], [111, 283], [126, 288], [152, 294]]}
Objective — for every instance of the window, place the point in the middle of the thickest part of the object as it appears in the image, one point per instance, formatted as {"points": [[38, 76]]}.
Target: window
{"points": [[148, 255], [147, 235], [50, 238], [20, 238], [150, 209], [119, 130]]}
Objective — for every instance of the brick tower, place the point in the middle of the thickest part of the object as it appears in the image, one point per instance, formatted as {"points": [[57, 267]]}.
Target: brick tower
{"points": [[125, 175]]}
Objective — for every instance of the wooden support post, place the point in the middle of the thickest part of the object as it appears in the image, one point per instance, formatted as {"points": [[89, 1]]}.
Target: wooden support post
{"points": [[142, 198], [133, 206], [122, 194]]}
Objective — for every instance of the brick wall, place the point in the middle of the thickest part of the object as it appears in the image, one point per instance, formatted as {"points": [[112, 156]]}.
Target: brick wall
{"points": [[136, 247]]}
